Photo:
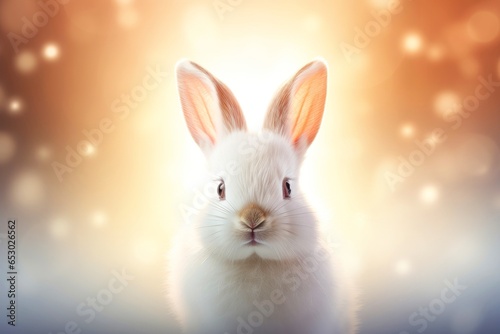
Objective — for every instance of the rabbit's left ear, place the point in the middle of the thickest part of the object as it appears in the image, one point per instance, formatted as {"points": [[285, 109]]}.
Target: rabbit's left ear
{"points": [[210, 108], [297, 109]]}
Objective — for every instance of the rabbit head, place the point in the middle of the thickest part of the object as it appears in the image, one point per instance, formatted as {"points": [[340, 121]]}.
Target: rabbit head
{"points": [[257, 208]]}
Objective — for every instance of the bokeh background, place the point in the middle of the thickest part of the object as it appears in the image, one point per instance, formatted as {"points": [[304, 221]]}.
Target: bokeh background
{"points": [[119, 207]]}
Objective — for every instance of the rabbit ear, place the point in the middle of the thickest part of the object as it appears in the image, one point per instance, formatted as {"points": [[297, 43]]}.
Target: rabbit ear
{"points": [[210, 109], [297, 109]]}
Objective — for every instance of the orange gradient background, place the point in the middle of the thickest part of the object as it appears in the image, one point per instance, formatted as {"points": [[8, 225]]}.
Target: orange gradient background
{"points": [[121, 205]]}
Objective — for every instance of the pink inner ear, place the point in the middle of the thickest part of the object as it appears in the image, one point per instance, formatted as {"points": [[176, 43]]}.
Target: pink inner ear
{"points": [[197, 99], [307, 105], [209, 107]]}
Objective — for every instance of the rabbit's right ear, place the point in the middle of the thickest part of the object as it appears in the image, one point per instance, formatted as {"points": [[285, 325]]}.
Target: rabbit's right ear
{"points": [[210, 108], [297, 109]]}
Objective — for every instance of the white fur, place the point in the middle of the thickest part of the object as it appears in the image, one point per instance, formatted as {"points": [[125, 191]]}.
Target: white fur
{"points": [[289, 282], [214, 279]]}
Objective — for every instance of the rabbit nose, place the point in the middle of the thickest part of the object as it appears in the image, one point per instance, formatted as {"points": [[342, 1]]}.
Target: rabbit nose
{"points": [[253, 216]]}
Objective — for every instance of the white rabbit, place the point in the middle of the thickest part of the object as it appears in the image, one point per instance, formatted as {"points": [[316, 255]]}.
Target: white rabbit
{"points": [[253, 261]]}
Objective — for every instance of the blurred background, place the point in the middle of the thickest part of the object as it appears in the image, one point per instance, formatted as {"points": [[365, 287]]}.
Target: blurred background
{"points": [[96, 161]]}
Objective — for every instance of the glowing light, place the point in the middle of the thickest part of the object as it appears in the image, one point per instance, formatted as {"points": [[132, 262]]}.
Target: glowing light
{"points": [[15, 106], [255, 84], [43, 153], [89, 150], [429, 194], [7, 147], [59, 228], [483, 26], [402, 267], [51, 51], [446, 103], [27, 190], [412, 43], [407, 130], [26, 62], [99, 219]]}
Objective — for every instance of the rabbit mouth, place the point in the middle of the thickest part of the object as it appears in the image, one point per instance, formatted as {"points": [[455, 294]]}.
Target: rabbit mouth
{"points": [[253, 241]]}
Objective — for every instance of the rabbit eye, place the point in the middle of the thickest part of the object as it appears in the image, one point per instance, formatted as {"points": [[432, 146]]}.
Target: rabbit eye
{"points": [[287, 189], [221, 190]]}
